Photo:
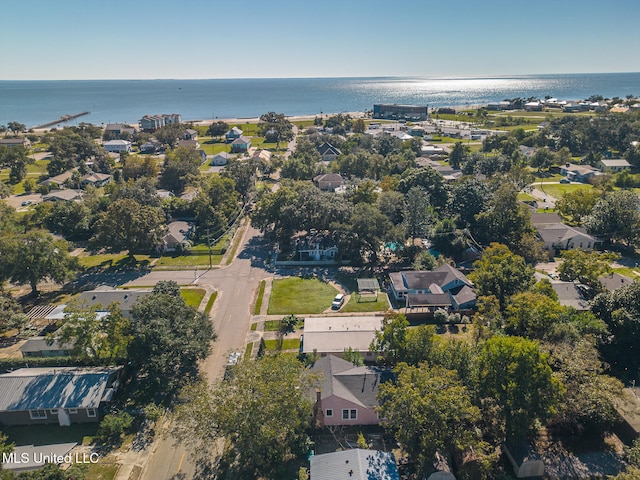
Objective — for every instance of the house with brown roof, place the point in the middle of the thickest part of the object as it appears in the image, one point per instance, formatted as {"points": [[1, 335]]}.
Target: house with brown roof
{"points": [[445, 287], [95, 179], [328, 182]]}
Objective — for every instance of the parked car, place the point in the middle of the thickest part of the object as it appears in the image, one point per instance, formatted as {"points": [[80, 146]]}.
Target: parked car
{"points": [[234, 358], [337, 301], [565, 180], [26, 202]]}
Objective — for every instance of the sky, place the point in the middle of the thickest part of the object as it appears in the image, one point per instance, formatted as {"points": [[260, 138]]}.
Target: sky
{"points": [[141, 39]]}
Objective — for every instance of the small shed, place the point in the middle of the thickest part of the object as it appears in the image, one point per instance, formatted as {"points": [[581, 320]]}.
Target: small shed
{"points": [[368, 288]]}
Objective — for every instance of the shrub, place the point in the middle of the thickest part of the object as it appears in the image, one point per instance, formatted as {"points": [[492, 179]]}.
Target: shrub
{"points": [[113, 426]]}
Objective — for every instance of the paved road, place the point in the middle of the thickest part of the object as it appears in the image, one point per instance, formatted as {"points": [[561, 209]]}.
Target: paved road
{"points": [[236, 285]]}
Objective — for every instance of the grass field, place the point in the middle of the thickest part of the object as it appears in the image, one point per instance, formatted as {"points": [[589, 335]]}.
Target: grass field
{"points": [[258, 305], [525, 197], [188, 261], [366, 304], [300, 295], [287, 344], [212, 299], [109, 260], [192, 296], [559, 189], [102, 471]]}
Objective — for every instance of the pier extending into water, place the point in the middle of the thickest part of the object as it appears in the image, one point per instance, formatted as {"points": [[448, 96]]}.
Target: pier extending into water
{"points": [[63, 118]]}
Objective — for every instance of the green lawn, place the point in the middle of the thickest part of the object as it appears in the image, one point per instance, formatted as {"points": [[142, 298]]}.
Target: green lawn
{"points": [[627, 271], [248, 350], [102, 471], [209, 306], [298, 295], [525, 197], [49, 434], [287, 344], [274, 325], [108, 260], [192, 296], [258, 305], [559, 189], [188, 260], [366, 304]]}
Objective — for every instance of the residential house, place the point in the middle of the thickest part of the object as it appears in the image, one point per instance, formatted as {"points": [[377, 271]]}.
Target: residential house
{"points": [[315, 246], [614, 165], [544, 219], [105, 296], [15, 142], [445, 287], [347, 394], [614, 281], [262, 154], [533, 106], [66, 195], [448, 172], [150, 147], [328, 181], [96, 179], [571, 294], [117, 146], [59, 179], [578, 173], [40, 347], [220, 159], [354, 464], [328, 152], [333, 335], [240, 145], [233, 134], [190, 134], [558, 236], [62, 395], [177, 237], [163, 194], [189, 144], [117, 129], [416, 131]]}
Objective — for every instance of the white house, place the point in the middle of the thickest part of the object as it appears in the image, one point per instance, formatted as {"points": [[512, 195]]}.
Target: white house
{"points": [[558, 236], [117, 146]]}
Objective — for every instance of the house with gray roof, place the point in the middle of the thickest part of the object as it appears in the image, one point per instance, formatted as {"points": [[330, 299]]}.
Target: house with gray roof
{"points": [[233, 134], [445, 287], [614, 165], [578, 173], [96, 179], [347, 394], [15, 142], [240, 145], [558, 236], [66, 195], [328, 152], [177, 237], [62, 395], [615, 281], [354, 464], [40, 347], [117, 146], [220, 159], [333, 335], [571, 294], [105, 296]]}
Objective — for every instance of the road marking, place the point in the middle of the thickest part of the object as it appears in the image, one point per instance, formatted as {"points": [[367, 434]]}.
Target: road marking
{"points": [[180, 464]]}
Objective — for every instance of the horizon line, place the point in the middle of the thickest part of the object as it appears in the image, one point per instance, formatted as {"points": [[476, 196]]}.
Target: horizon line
{"points": [[431, 77]]}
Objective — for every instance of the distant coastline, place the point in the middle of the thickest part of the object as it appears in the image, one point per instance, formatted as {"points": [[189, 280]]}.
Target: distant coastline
{"points": [[109, 101]]}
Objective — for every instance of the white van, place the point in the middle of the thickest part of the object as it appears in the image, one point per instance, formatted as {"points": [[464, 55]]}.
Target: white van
{"points": [[337, 301]]}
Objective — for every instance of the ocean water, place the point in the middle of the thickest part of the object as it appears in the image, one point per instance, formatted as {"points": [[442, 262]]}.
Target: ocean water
{"points": [[110, 101]]}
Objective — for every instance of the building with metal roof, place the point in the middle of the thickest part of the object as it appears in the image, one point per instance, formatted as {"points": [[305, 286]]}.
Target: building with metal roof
{"points": [[356, 464]]}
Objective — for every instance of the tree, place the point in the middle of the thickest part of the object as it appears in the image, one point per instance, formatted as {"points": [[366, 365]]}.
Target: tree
{"points": [[418, 215], [16, 159], [71, 219], [353, 356], [16, 127], [93, 336], [429, 179], [456, 157], [358, 126], [217, 129], [574, 205], [128, 225], [276, 128], [428, 409], [169, 339], [169, 134], [263, 409], [585, 267], [181, 168], [36, 256], [616, 216], [542, 158], [501, 273], [447, 239], [363, 235], [515, 374], [531, 314], [469, 197], [11, 315]]}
